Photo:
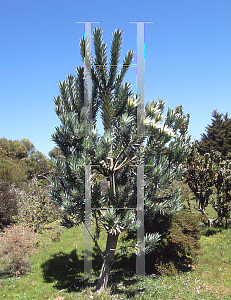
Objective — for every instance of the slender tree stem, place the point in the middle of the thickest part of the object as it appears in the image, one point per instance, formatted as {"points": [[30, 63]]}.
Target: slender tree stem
{"points": [[97, 245]]}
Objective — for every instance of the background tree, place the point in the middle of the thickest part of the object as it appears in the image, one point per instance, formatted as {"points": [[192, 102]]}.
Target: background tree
{"points": [[116, 153], [208, 176], [13, 149], [217, 136], [55, 152], [20, 161], [222, 181], [39, 166], [13, 162], [199, 176]]}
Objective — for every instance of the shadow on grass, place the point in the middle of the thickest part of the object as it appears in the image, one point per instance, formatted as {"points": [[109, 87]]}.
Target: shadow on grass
{"points": [[66, 271], [6, 275], [209, 231]]}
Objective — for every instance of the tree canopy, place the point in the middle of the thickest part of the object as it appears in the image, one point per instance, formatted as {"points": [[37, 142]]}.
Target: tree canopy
{"points": [[20, 161]]}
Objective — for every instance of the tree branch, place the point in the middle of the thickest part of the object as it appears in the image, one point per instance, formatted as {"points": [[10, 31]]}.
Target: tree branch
{"points": [[119, 155], [100, 218], [124, 163], [210, 221]]}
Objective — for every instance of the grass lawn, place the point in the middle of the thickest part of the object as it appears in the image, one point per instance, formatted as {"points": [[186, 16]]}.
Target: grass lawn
{"points": [[56, 264]]}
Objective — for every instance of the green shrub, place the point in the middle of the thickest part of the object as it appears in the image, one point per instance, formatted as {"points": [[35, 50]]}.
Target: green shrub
{"points": [[35, 207], [16, 245], [179, 245]]}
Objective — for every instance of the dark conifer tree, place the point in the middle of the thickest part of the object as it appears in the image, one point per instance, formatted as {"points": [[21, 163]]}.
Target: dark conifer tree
{"points": [[217, 136]]}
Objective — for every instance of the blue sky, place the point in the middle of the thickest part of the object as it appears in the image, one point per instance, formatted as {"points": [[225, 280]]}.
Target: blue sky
{"points": [[187, 57]]}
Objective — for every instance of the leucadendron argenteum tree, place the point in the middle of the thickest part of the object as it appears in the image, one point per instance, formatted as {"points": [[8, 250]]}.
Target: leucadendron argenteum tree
{"points": [[115, 154]]}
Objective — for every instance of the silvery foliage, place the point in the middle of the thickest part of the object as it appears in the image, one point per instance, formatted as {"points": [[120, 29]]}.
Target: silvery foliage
{"points": [[119, 142]]}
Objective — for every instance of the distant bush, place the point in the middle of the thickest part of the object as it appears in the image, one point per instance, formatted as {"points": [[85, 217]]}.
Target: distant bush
{"points": [[16, 245], [34, 206], [8, 205], [179, 245]]}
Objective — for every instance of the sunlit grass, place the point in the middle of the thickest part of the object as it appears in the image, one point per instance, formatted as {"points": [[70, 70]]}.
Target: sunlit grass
{"points": [[55, 266]]}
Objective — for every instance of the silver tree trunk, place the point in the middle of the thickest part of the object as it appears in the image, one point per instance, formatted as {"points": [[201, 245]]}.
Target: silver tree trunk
{"points": [[108, 262]]}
